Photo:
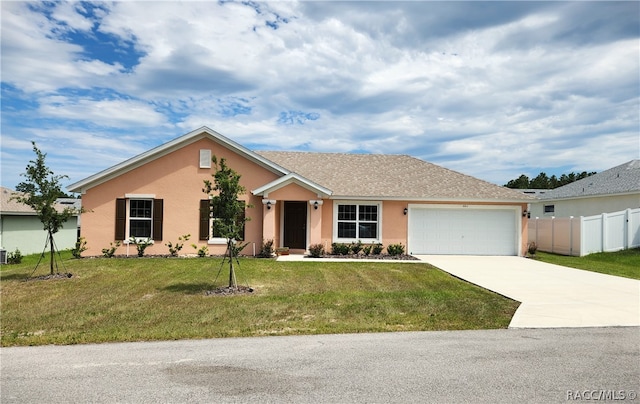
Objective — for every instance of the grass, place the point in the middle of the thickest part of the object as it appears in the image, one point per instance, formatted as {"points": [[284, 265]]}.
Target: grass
{"points": [[140, 299], [625, 263]]}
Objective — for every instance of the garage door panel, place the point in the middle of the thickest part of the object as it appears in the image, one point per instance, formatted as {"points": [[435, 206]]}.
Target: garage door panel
{"points": [[462, 231]]}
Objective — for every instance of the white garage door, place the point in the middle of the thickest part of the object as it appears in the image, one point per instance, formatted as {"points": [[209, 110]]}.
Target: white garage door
{"points": [[463, 231]]}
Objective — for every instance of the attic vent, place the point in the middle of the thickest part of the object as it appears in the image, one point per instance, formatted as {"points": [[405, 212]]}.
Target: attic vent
{"points": [[205, 158]]}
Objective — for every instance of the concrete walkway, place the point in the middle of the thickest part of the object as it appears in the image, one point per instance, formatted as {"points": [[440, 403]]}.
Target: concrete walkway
{"points": [[551, 295]]}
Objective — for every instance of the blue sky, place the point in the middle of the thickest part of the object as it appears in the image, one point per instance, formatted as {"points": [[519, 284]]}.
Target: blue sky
{"points": [[490, 89]]}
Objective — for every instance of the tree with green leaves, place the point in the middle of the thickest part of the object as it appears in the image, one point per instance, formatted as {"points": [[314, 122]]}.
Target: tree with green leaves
{"points": [[542, 181], [227, 210], [40, 191]]}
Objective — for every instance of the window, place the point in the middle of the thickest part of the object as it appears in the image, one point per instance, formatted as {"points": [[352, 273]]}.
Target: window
{"points": [[549, 208], [209, 223], [357, 221], [139, 218]]}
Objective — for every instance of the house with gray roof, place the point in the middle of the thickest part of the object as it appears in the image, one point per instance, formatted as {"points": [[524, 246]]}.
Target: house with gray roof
{"points": [[298, 199], [21, 229], [612, 190]]}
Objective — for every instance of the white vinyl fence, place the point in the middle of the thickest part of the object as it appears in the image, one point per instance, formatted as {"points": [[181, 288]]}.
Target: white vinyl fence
{"points": [[586, 235]]}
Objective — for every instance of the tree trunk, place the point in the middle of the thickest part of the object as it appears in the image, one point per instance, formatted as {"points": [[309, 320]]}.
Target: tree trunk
{"points": [[232, 276], [52, 252]]}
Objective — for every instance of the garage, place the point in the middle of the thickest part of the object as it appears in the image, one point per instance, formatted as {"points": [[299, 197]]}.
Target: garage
{"points": [[463, 230]]}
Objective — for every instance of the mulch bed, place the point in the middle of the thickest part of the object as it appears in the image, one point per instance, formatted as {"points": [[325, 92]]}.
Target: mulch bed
{"points": [[65, 275], [229, 291], [403, 257]]}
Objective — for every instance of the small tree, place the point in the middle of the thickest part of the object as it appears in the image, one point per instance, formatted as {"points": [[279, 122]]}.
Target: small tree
{"points": [[227, 209], [40, 192]]}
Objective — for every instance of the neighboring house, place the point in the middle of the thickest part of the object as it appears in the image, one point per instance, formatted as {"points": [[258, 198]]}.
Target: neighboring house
{"points": [[21, 229], [297, 199], [613, 190]]}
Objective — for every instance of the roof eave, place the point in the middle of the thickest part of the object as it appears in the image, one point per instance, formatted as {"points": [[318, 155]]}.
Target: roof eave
{"points": [[105, 175], [292, 178], [430, 199], [564, 198]]}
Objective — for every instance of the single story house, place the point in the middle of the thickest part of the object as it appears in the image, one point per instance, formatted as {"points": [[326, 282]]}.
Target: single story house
{"points": [[21, 229], [297, 199], [613, 190]]}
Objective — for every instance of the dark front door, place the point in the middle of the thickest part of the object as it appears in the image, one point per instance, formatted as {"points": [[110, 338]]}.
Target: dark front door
{"points": [[295, 224]]}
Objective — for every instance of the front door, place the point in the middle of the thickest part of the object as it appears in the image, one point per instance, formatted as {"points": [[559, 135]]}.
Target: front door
{"points": [[295, 225]]}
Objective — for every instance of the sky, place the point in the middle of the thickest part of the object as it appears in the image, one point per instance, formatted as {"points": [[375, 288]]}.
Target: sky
{"points": [[489, 89]]}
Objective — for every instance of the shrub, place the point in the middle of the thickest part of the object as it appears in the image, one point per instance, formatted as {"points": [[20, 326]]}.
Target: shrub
{"points": [[532, 248], [395, 249], [175, 249], [266, 251], [14, 257], [355, 248], [110, 252], [377, 249], [316, 250], [237, 248], [339, 249], [367, 249], [202, 251], [81, 246], [141, 244]]}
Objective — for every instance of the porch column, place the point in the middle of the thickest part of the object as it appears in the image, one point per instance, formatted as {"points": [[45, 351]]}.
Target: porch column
{"points": [[269, 220], [315, 222]]}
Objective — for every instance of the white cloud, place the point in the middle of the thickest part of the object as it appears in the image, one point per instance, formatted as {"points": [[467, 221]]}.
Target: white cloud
{"points": [[483, 88], [109, 113], [35, 58]]}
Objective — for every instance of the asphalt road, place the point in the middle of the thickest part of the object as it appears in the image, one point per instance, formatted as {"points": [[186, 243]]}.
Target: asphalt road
{"points": [[494, 366]]}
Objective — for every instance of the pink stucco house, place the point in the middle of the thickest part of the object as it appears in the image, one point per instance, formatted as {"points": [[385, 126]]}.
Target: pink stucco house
{"points": [[299, 199]]}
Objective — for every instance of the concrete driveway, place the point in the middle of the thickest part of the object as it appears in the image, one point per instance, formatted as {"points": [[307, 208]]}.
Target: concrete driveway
{"points": [[550, 295]]}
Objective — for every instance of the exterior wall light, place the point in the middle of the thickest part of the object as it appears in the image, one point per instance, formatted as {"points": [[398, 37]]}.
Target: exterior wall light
{"points": [[405, 211], [268, 205], [315, 205]]}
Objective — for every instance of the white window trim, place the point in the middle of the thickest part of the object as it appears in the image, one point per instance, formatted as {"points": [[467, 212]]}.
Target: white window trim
{"points": [[127, 226], [335, 237], [215, 240], [219, 240]]}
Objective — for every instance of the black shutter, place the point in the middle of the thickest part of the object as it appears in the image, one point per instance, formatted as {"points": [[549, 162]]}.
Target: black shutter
{"points": [[204, 219], [121, 218], [158, 205]]}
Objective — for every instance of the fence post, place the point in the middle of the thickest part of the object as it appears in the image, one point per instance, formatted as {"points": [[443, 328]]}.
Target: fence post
{"points": [[553, 233], [627, 227], [570, 235], [604, 233]]}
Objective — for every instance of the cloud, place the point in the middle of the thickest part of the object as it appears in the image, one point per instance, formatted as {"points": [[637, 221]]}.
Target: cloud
{"points": [[486, 88], [115, 113]]}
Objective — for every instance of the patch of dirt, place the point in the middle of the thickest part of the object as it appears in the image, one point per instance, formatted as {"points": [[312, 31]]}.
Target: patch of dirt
{"points": [[54, 276], [229, 291], [403, 257]]}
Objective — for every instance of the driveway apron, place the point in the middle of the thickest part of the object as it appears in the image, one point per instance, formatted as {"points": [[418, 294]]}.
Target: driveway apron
{"points": [[551, 295]]}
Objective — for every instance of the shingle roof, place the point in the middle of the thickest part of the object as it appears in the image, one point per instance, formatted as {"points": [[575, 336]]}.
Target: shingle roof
{"points": [[389, 176], [11, 206], [622, 179]]}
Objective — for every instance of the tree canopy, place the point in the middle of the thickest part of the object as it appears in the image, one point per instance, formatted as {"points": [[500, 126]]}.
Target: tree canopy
{"points": [[227, 210], [40, 191], [542, 181]]}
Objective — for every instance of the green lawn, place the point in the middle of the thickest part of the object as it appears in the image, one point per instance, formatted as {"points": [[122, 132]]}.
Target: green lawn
{"points": [[139, 299], [624, 263]]}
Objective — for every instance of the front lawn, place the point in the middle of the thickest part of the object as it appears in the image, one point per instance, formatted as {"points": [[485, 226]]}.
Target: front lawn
{"points": [[138, 299], [624, 263]]}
